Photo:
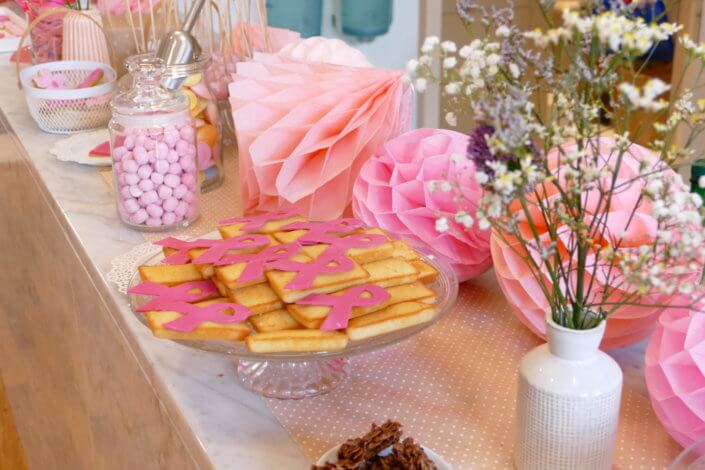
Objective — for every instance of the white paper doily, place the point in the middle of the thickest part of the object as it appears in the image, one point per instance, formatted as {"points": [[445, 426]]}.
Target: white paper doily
{"points": [[76, 148], [125, 265]]}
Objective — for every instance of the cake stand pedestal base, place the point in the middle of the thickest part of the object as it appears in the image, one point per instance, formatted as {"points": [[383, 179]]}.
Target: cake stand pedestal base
{"points": [[292, 380]]}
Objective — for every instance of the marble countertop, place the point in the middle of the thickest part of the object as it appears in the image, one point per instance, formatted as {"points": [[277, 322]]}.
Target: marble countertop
{"points": [[228, 426]]}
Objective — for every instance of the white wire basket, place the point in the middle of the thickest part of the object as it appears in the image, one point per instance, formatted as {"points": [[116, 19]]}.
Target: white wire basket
{"points": [[70, 110]]}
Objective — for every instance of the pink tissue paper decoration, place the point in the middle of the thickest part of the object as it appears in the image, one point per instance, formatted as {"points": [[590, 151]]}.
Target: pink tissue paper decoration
{"points": [[628, 324], [322, 50], [675, 373], [304, 131], [393, 193]]}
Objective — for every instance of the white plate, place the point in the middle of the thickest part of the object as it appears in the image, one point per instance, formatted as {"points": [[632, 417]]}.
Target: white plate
{"points": [[332, 456], [76, 147], [10, 44]]}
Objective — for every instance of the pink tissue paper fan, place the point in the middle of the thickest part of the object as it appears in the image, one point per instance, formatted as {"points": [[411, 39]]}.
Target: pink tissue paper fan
{"points": [[394, 192], [675, 373], [304, 130], [628, 324]]}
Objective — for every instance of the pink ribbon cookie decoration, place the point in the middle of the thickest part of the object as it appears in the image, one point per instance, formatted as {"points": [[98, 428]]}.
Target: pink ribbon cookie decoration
{"points": [[182, 247], [193, 315], [256, 263], [318, 232], [217, 251], [306, 273], [258, 221], [342, 305], [186, 292]]}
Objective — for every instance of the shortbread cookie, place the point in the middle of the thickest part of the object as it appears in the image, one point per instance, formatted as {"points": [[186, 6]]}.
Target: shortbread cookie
{"points": [[274, 321], [207, 269], [391, 272], [268, 226], [259, 298], [359, 255], [170, 274], [222, 288], [350, 274], [312, 316], [296, 341], [402, 250], [158, 320], [392, 318], [248, 269], [427, 273]]}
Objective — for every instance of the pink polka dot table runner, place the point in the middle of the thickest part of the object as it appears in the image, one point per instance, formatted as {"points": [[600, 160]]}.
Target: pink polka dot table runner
{"points": [[453, 389]]}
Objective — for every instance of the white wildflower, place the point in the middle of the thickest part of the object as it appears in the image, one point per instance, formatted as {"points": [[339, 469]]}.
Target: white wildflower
{"points": [[481, 177], [503, 31], [452, 88], [464, 219], [442, 225], [420, 85], [445, 187], [429, 44], [450, 62], [514, 70], [451, 119], [412, 65], [449, 47]]}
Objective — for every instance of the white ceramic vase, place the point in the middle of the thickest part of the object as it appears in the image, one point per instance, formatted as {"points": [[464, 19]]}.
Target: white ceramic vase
{"points": [[567, 403]]}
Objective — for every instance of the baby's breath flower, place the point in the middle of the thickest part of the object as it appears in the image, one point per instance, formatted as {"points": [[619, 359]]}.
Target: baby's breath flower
{"points": [[450, 62], [442, 225], [449, 47], [451, 119], [420, 85]]}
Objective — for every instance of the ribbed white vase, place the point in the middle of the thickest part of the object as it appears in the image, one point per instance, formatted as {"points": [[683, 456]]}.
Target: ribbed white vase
{"points": [[567, 403]]}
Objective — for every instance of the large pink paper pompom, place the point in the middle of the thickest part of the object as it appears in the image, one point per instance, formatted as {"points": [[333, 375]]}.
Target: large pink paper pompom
{"points": [[392, 192], [304, 130], [628, 324], [675, 373]]}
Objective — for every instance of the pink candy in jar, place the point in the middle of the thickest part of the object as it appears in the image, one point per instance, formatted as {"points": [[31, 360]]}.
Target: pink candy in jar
{"points": [[155, 192], [153, 146]]}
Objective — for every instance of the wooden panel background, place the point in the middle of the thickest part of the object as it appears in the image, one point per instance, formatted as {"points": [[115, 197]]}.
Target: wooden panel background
{"points": [[79, 397]]}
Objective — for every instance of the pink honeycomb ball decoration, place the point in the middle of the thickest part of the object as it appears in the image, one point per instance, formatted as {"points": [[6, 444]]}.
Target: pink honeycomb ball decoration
{"points": [[675, 373], [629, 324], [156, 175], [392, 192]]}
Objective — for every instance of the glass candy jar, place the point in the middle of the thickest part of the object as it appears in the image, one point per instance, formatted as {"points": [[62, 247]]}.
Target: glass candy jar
{"points": [[152, 143], [203, 106]]}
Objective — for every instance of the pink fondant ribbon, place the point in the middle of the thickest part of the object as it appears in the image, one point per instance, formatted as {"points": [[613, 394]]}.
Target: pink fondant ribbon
{"points": [[193, 315], [342, 305], [186, 292], [258, 221], [182, 246], [217, 251], [306, 273], [256, 263], [318, 232]]}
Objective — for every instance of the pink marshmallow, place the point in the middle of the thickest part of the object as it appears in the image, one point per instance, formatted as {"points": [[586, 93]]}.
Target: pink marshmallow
{"points": [[154, 210], [169, 218], [180, 191], [146, 185], [139, 217], [149, 197], [172, 156], [172, 180], [144, 172], [189, 180], [170, 204], [164, 191], [181, 208], [135, 191], [131, 179], [157, 178], [140, 155], [153, 222], [131, 206], [175, 169], [161, 166], [130, 166]]}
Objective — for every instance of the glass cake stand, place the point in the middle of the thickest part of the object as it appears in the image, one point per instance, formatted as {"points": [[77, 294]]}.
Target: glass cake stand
{"points": [[292, 375]]}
